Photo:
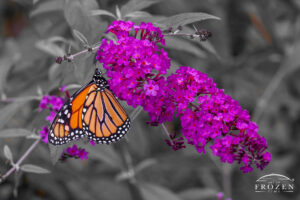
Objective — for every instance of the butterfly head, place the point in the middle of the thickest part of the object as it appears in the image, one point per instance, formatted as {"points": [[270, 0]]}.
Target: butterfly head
{"points": [[99, 79]]}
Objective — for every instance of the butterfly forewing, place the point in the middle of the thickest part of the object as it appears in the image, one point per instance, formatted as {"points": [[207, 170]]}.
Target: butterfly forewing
{"points": [[67, 125]]}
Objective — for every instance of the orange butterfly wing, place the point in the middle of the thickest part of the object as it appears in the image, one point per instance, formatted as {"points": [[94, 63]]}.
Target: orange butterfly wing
{"points": [[92, 111], [104, 119], [67, 125]]}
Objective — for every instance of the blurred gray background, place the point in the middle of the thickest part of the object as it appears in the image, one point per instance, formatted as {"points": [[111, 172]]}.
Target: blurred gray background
{"points": [[254, 54]]}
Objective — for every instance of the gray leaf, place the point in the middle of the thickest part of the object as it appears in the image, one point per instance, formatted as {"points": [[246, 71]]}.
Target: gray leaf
{"points": [[14, 132], [50, 48], [34, 169], [55, 152], [184, 45], [118, 12], [135, 5], [138, 14], [184, 18], [81, 37], [102, 12], [8, 153]]}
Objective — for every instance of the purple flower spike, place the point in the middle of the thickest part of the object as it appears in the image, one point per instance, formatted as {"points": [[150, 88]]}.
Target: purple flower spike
{"points": [[218, 118], [44, 134], [176, 143], [44, 103], [83, 154], [53, 103], [73, 151], [136, 66]]}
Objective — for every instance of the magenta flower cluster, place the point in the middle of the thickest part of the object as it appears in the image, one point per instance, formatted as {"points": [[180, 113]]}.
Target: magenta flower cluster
{"points": [[52, 103], [209, 115], [176, 143], [136, 65], [44, 134], [74, 152]]}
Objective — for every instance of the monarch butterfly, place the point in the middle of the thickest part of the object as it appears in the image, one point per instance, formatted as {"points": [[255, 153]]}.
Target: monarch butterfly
{"points": [[92, 111]]}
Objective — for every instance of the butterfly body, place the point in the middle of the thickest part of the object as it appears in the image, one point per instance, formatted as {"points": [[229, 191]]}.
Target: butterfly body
{"points": [[93, 111]]}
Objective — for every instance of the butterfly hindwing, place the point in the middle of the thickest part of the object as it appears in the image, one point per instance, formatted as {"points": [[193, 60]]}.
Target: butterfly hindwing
{"points": [[104, 119]]}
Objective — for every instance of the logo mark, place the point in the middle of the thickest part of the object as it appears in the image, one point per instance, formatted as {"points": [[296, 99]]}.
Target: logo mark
{"points": [[274, 183]]}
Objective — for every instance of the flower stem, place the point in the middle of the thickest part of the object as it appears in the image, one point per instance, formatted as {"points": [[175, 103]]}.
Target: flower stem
{"points": [[188, 35], [226, 179], [17, 165], [165, 130], [71, 57]]}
